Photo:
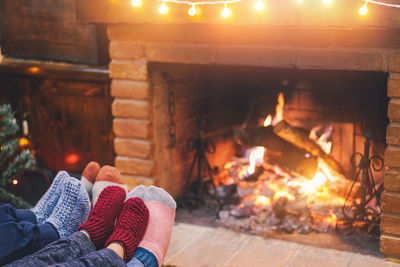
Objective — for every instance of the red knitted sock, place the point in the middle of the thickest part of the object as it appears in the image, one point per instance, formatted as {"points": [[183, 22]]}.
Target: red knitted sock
{"points": [[130, 227], [101, 219]]}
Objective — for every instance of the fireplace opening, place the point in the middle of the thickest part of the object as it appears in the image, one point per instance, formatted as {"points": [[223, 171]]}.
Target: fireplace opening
{"points": [[266, 125]]}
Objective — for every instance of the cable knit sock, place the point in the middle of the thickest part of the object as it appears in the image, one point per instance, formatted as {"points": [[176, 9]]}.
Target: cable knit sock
{"points": [[101, 220], [108, 176], [72, 208], [161, 207], [89, 175], [130, 226], [138, 191], [46, 204]]}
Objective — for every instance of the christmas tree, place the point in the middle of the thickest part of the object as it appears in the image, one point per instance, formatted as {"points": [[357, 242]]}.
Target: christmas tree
{"points": [[13, 159]]}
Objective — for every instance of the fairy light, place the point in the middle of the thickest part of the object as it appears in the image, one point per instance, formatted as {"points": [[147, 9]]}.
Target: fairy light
{"points": [[163, 9], [363, 10], [259, 5], [136, 3], [226, 12], [192, 11]]}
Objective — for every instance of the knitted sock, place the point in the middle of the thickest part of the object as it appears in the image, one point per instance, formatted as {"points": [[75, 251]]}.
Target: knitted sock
{"points": [[138, 191], [46, 204], [162, 215], [72, 209], [108, 176], [101, 220], [89, 175], [130, 226]]}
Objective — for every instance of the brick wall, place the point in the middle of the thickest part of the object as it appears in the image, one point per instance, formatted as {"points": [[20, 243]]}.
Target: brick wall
{"points": [[132, 47]]}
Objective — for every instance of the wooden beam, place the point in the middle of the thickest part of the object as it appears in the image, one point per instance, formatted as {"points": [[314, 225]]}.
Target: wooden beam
{"points": [[54, 70]]}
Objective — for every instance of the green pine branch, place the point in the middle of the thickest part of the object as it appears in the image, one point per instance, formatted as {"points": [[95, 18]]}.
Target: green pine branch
{"points": [[17, 202]]}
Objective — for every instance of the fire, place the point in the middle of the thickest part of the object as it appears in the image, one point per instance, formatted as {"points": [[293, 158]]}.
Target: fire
{"points": [[256, 156], [279, 109], [268, 121], [262, 201], [278, 112]]}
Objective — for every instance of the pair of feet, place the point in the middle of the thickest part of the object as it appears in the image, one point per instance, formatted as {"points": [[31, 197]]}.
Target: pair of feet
{"points": [[65, 205], [144, 218]]}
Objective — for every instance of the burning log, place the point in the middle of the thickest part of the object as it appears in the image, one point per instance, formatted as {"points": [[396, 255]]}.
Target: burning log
{"points": [[299, 138], [279, 151]]}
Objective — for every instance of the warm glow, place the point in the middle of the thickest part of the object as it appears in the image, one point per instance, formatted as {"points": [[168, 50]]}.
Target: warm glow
{"points": [[163, 8], [256, 156], [363, 10], [259, 5], [34, 70], [279, 109], [136, 3], [192, 11], [14, 181], [71, 158], [23, 141], [2, 148], [268, 121], [262, 201], [226, 12], [327, 2], [311, 186]]}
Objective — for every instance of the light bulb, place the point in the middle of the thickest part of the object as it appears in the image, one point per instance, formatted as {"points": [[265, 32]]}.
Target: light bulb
{"points": [[363, 10], [136, 3], [163, 8], [192, 11], [226, 12], [259, 5]]}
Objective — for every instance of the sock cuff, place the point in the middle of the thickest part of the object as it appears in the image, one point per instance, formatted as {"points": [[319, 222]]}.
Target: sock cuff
{"points": [[145, 257], [87, 184]]}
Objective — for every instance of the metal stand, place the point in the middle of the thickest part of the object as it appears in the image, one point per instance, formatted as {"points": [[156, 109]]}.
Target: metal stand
{"points": [[198, 189], [361, 211]]}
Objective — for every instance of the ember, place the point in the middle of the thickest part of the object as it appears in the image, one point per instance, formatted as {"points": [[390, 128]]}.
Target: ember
{"points": [[275, 195]]}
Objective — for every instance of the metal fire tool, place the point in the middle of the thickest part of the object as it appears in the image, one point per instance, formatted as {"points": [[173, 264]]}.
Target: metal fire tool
{"points": [[361, 211], [196, 191]]}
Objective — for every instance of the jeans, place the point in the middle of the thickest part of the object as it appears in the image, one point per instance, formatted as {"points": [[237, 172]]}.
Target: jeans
{"points": [[20, 234], [75, 250]]}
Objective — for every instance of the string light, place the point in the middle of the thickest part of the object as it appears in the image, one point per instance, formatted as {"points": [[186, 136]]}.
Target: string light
{"points": [[136, 3], [192, 11], [259, 5], [163, 9], [363, 10], [226, 12]]}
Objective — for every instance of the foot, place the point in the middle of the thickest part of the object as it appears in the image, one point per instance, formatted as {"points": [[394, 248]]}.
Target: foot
{"points": [[72, 209], [89, 175], [100, 223], [107, 176], [130, 226], [46, 204]]}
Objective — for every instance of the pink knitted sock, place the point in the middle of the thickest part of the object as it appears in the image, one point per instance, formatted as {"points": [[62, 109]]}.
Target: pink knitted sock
{"points": [[161, 208]]}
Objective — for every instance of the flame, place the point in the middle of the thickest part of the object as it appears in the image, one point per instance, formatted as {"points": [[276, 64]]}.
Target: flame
{"points": [[262, 201], [279, 109], [268, 121], [256, 156]]}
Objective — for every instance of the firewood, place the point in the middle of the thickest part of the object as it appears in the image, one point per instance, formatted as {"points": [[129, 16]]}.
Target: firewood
{"points": [[299, 138], [278, 151]]}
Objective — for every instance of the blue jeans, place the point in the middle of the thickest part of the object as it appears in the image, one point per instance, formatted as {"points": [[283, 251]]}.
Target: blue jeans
{"points": [[75, 250], [20, 234]]}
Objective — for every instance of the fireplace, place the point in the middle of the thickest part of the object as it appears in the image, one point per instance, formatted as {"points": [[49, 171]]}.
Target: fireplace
{"points": [[215, 69]]}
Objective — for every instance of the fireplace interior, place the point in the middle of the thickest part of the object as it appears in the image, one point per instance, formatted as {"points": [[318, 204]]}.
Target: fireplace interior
{"points": [[337, 107]]}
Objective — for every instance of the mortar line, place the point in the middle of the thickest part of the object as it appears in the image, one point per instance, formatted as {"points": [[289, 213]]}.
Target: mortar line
{"points": [[237, 251]]}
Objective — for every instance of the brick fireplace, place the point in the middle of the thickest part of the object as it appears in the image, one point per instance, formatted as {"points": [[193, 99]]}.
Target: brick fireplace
{"points": [[142, 48]]}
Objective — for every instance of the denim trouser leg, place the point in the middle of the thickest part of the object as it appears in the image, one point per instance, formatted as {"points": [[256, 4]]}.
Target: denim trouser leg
{"points": [[62, 250], [102, 258]]}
